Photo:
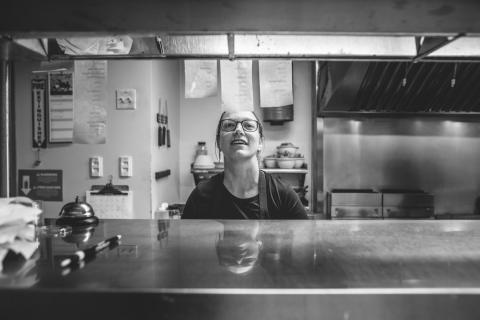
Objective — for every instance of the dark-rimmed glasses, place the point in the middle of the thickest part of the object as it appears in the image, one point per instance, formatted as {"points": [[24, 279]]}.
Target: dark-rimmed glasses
{"points": [[230, 125]]}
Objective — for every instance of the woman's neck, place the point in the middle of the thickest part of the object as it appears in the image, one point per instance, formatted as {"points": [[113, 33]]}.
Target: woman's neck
{"points": [[241, 178]]}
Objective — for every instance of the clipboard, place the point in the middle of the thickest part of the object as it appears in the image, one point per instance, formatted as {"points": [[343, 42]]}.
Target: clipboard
{"points": [[111, 202]]}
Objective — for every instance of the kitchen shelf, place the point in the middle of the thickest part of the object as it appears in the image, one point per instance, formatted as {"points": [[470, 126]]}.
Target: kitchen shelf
{"points": [[269, 170]]}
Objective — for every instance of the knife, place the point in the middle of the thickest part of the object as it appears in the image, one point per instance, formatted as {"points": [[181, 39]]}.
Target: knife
{"points": [[166, 122], [160, 120]]}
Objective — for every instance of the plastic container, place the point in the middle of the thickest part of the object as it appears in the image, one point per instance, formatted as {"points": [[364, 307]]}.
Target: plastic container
{"points": [[202, 159], [201, 149]]}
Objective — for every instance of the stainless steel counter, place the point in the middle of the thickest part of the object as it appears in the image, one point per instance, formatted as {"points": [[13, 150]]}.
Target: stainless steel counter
{"points": [[249, 269]]}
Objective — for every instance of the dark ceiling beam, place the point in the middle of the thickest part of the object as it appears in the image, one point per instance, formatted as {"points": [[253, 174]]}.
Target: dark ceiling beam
{"points": [[58, 18]]}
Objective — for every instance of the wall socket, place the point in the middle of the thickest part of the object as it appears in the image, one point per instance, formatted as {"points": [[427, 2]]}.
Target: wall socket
{"points": [[96, 166], [125, 163], [126, 99]]}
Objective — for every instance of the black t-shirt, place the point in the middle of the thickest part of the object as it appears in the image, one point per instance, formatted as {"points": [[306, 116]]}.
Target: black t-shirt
{"points": [[211, 200]]}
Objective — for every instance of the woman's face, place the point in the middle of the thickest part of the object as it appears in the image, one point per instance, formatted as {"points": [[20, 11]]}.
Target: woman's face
{"points": [[239, 143]]}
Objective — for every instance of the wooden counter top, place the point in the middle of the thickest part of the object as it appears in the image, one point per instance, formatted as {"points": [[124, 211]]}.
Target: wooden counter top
{"points": [[262, 268]]}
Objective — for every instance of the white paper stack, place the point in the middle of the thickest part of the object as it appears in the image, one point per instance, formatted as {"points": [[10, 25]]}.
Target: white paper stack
{"points": [[17, 228]]}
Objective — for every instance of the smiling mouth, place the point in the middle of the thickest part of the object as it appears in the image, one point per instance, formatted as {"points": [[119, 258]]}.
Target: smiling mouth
{"points": [[238, 141]]}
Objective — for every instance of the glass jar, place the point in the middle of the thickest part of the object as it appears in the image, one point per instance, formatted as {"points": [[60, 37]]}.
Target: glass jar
{"points": [[201, 148]]}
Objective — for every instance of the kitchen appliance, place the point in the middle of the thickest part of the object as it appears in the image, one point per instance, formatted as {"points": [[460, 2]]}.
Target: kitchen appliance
{"points": [[354, 204], [409, 204]]}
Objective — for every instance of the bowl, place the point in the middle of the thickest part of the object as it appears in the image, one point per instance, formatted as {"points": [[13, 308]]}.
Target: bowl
{"points": [[287, 149], [286, 163], [299, 163], [270, 162], [203, 161]]}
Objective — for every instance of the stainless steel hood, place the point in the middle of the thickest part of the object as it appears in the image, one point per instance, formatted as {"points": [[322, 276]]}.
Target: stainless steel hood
{"points": [[400, 87]]}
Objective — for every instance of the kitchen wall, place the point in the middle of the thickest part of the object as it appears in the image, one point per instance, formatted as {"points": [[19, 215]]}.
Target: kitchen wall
{"points": [[134, 132], [165, 78], [199, 118], [436, 155], [129, 132]]}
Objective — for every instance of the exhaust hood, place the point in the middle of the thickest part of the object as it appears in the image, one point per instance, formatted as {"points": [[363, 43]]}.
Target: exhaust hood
{"points": [[399, 87]]}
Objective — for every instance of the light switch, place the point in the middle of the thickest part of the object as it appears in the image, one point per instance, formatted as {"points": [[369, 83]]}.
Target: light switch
{"points": [[96, 166], [126, 99], [125, 163]]}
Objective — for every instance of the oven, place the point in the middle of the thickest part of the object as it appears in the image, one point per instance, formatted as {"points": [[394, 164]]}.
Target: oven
{"points": [[354, 204]]}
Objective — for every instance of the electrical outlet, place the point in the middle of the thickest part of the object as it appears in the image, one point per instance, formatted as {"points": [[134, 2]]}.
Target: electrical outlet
{"points": [[125, 166], [96, 166], [126, 99]]}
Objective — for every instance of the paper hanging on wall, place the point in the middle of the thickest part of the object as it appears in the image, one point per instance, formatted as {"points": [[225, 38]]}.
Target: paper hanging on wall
{"points": [[275, 79], [95, 46], [90, 101], [39, 90], [236, 83], [200, 78], [60, 107]]}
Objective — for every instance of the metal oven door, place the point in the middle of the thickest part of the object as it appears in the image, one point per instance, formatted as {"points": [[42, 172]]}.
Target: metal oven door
{"points": [[356, 212]]}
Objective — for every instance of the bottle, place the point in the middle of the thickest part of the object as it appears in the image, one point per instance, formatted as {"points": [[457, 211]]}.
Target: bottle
{"points": [[202, 158], [162, 213], [201, 148]]}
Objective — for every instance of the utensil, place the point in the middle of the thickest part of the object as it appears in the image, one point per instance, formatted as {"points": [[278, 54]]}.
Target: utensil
{"points": [[159, 121], [166, 123]]}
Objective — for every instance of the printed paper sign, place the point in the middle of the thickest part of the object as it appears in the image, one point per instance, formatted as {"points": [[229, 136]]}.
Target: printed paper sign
{"points": [[43, 185], [236, 81], [90, 102], [60, 106], [39, 88], [275, 83], [200, 78]]}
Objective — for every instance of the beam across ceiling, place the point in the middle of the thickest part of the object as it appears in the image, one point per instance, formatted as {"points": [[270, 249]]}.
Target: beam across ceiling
{"points": [[66, 18]]}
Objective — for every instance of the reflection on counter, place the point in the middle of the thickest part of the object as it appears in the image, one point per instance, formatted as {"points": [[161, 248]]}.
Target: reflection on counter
{"points": [[383, 204]]}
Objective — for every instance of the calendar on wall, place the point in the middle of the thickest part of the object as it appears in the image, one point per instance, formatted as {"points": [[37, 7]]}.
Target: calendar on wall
{"points": [[111, 206]]}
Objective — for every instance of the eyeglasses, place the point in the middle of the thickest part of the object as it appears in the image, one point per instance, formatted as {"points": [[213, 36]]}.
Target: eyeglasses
{"points": [[247, 125]]}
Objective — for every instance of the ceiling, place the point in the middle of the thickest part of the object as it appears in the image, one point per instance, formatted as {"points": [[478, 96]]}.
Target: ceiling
{"points": [[66, 18], [342, 29]]}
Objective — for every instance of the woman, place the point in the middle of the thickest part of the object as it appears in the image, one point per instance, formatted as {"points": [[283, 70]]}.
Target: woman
{"points": [[242, 191]]}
